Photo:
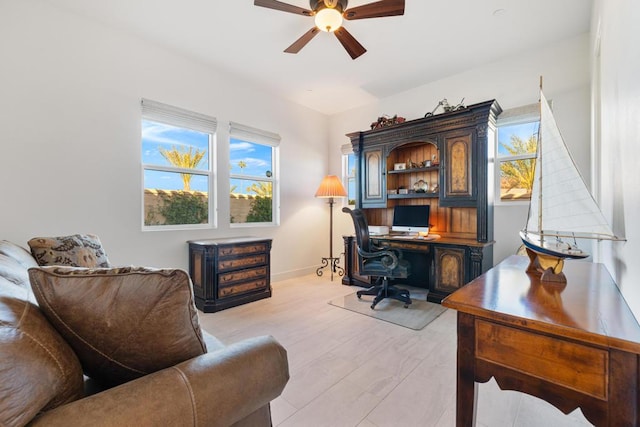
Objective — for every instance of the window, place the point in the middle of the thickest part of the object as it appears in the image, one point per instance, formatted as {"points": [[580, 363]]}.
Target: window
{"points": [[253, 157], [516, 152], [349, 173], [177, 159]]}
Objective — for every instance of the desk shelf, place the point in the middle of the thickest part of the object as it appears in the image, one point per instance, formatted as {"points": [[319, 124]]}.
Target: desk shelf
{"points": [[413, 196], [414, 170]]}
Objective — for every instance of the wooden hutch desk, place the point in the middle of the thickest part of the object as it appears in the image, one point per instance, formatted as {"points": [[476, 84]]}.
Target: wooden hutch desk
{"points": [[443, 161], [575, 345]]}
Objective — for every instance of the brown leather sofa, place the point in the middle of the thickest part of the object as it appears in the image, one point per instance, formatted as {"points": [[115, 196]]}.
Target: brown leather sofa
{"points": [[42, 381]]}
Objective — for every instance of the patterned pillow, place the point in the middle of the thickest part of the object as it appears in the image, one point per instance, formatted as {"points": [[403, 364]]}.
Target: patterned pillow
{"points": [[79, 250], [123, 323]]}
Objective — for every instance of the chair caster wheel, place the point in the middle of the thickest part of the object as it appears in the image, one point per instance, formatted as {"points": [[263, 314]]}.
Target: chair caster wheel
{"points": [[359, 296], [373, 306]]}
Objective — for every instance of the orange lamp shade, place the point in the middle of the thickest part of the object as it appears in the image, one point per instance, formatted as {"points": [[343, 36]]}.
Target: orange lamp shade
{"points": [[331, 186]]}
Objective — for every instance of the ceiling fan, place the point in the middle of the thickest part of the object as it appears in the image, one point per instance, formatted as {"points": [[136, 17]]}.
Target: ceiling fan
{"points": [[329, 15]]}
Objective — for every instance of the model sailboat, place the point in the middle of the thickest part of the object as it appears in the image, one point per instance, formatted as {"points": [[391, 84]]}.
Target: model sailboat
{"points": [[561, 208]]}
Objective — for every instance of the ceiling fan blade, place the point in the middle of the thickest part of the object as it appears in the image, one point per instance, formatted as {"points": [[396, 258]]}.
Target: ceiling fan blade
{"points": [[302, 41], [377, 9], [278, 5], [353, 47]]}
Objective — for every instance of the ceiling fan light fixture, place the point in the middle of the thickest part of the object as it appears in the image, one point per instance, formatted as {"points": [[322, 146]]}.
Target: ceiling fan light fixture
{"points": [[328, 19]]}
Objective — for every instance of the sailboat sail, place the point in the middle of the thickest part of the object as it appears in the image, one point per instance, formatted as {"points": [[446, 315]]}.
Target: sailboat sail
{"points": [[561, 205]]}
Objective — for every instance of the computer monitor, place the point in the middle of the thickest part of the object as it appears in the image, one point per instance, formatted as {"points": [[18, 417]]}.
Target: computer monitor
{"points": [[411, 219]]}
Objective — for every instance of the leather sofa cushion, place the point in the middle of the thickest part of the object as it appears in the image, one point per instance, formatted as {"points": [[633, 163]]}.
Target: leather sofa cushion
{"points": [[15, 273], [14, 279], [38, 369], [123, 323], [18, 254], [78, 250]]}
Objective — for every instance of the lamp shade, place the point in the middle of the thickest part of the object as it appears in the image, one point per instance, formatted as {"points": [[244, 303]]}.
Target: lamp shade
{"points": [[331, 187], [328, 20]]}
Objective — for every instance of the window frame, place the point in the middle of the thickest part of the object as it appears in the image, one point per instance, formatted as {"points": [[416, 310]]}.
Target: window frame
{"points": [[347, 151], [253, 135], [514, 116], [158, 112]]}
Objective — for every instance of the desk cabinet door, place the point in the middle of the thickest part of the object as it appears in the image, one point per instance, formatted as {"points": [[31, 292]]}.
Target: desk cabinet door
{"points": [[373, 185], [450, 269], [457, 176]]}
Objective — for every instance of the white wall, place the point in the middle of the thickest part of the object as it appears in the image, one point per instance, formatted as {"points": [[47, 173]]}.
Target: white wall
{"points": [[70, 154], [615, 57], [70, 94], [512, 82]]}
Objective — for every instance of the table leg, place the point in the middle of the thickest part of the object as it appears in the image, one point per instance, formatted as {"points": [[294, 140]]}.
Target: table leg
{"points": [[623, 388], [467, 389]]}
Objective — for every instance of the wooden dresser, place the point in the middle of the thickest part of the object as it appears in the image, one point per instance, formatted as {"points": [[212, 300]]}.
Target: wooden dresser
{"points": [[229, 272]]}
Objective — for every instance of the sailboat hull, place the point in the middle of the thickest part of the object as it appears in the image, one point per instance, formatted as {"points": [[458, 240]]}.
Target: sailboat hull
{"points": [[550, 248]]}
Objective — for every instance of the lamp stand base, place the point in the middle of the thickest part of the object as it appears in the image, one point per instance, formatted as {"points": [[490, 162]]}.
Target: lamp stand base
{"points": [[332, 263]]}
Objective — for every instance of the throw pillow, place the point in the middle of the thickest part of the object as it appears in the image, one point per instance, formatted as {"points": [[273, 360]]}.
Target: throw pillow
{"points": [[78, 250], [123, 323]]}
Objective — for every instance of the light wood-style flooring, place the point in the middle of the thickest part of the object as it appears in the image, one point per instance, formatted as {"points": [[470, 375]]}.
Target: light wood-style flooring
{"points": [[351, 370]]}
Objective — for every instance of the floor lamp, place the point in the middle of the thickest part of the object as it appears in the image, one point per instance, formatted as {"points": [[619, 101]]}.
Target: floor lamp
{"points": [[331, 187]]}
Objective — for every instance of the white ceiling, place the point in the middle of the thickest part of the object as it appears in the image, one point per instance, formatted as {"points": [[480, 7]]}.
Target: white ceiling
{"points": [[432, 40]]}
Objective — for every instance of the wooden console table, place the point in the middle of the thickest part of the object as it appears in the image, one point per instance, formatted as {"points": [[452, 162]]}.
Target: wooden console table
{"points": [[575, 345]]}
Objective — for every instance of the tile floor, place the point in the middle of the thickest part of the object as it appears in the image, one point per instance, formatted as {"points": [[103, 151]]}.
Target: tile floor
{"points": [[353, 370]]}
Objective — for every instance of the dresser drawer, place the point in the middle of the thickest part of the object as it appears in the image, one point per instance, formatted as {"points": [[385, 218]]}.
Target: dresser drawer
{"points": [[242, 262], [242, 287], [252, 248], [241, 275]]}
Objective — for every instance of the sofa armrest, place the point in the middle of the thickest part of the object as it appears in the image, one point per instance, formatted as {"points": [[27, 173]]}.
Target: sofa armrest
{"points": [[213, 389]]}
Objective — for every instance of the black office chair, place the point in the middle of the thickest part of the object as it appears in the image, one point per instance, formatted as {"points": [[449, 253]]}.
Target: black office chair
{"points": [[379, 262]]}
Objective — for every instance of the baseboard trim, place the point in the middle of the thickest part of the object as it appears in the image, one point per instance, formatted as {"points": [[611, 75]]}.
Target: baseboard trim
{"points": [[293, 274]]}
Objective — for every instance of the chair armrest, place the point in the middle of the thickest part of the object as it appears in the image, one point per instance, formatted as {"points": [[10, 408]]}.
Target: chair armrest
{"points": [[388, 257], [213, 389], [396, 251]]}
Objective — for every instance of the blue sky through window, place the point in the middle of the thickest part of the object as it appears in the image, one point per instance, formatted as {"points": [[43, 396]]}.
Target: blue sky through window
{"points": [[157, 135], [250, 160], [524, 131]]}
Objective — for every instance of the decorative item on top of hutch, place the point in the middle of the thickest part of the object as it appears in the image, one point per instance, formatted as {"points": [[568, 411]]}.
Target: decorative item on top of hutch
{"points": [[387, 121], [446, 166], [446, 107]]}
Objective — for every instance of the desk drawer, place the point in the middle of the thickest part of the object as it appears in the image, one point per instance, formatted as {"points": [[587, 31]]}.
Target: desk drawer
{"points": [[403, 245], [571, 365]]}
